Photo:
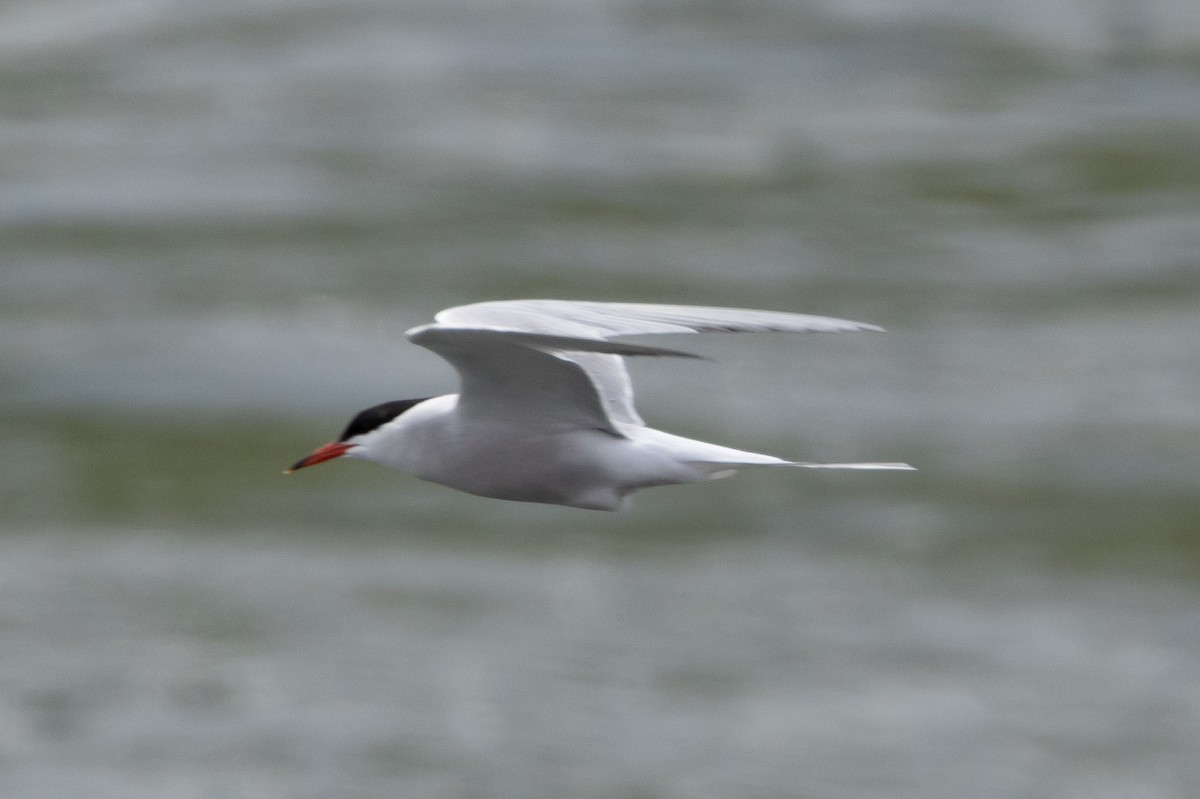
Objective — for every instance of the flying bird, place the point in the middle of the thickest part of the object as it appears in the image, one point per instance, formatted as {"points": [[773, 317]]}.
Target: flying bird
{"points": [[545, 411]]}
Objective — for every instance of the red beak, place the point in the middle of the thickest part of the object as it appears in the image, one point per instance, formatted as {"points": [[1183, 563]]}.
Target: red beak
{"points": [[334, 449]]}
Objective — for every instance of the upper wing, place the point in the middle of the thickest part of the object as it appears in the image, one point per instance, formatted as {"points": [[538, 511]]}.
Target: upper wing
{"points": [[574, 323], [525, 376], [607, 319]]}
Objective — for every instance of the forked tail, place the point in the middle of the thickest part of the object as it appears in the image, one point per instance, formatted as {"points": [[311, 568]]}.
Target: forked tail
{"points": [[897, 466], [720, 469], [720, 461]]}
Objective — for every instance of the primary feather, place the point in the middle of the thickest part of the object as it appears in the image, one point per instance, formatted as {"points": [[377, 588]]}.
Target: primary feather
{"points": [[585, 322]]}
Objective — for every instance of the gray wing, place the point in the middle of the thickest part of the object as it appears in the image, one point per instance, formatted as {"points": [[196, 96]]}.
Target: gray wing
{"points": [[607, 319], [577, 322], [528, 379]]}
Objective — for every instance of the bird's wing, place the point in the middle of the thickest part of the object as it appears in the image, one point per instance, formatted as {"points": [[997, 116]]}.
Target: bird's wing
{"points": [[577, 322], [528, 378], [606, 319]]}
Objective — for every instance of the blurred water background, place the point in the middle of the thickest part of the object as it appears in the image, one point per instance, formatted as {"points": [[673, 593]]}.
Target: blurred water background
{"points": [[216, 220]]}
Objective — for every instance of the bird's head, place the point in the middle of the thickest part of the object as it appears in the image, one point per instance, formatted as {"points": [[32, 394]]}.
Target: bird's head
{"points": [[358, 435]]}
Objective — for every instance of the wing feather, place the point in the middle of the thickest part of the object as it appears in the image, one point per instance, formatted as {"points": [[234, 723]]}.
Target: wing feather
{"points": [[555, 355], [504, 378], [608, 319]]}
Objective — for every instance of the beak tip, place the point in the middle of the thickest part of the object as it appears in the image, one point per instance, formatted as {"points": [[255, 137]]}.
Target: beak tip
{"points": [[330, 451], [297, 466]]}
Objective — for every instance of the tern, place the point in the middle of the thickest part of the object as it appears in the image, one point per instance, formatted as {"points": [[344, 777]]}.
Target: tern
{"points": [[545, 411]]}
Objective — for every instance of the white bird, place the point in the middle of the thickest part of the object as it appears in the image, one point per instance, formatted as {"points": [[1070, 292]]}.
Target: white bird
{"points": [[545, 408]]}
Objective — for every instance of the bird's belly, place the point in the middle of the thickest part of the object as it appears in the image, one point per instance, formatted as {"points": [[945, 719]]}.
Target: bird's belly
{"points": [[580, 468]]}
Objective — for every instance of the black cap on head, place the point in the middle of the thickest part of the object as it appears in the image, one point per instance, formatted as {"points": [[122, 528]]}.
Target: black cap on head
{"points": [[377, 416]]}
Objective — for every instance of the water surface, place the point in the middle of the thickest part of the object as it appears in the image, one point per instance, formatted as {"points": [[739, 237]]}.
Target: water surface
{"points": [[218, 220]]}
